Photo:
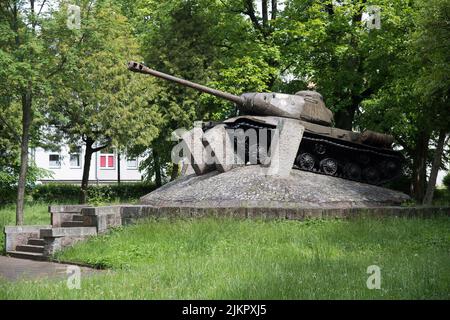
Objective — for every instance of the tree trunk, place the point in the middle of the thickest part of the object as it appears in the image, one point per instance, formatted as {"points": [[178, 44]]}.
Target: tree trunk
{"points": [[265, 16], [26, 124], [428, 199], [157, 169], [274, 9], [86, 169], [90, 150], [174, 173], [420, 166]]}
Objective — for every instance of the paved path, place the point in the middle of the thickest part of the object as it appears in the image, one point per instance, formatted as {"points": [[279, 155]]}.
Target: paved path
{"points": [[15, 269]]}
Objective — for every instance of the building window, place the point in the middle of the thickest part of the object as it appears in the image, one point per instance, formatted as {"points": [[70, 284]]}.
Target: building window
{"points": [[75, 160], [54, 161], [107, 161], [132, 163]]}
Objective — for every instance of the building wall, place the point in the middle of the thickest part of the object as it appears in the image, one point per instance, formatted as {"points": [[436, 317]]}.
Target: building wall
{"points": [[68, 171]]}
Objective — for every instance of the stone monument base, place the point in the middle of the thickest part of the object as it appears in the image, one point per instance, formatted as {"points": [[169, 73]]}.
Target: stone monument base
{"points": [[248, 187]]}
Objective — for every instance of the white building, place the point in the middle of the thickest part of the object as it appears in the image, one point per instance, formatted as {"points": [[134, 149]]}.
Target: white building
{"points": [[67, 166]]}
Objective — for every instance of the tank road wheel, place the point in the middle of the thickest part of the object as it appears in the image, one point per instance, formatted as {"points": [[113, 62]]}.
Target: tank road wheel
{"points": [[363, 159], [329, 166], [306, 161], [371, 175], [352, 171], [320, 148], [390, 167]]}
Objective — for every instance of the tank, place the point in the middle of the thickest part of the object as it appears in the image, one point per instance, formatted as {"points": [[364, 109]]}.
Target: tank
{"points": [[366, 156]]}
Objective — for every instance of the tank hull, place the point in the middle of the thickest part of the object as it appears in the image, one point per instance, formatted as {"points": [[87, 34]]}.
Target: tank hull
{"points": [[332, 151]]}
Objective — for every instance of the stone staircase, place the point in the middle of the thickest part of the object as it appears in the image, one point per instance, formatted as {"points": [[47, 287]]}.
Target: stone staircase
{"points": [[34, 250], [69, 226], [77, 221]]}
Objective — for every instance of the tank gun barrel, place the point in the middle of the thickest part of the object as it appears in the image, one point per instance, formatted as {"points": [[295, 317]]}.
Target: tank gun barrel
{"points": [[139, 67]]}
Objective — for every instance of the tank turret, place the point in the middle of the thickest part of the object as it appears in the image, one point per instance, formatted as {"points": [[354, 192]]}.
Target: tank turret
{"points": [[305, 105]]}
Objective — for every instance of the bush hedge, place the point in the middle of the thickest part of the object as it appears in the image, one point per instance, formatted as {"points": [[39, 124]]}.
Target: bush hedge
{"points": [[442, 197], [68, 193], [7, 194], [56, 192], [9, 176], [446, 181], [401, 184]]}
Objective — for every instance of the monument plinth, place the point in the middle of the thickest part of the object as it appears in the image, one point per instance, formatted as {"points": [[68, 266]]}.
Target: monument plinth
{"points": [[248, 186], [280, 152]]}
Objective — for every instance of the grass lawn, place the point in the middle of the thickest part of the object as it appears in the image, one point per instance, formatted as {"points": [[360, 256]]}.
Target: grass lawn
{"points": [[214, 258]]}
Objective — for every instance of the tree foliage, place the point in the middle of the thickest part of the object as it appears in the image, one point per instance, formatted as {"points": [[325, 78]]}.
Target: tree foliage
{"points": [[96, 100], [95, 96]]}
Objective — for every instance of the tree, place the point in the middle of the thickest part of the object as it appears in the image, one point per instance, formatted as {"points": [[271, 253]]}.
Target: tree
{"points": [[328, 45], [433, 83], [24, 77], [436, 165], [97, 100], [413, 101], [398, 109], [9, 151]]}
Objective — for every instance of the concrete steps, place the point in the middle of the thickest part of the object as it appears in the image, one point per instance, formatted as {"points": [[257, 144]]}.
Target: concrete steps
{"points": [[27, 255], [77, 217], [40, 242], [30, 248], [69, 225], [36, 242], [69, 232], [72, 224], [35, 247], [33, 250]]}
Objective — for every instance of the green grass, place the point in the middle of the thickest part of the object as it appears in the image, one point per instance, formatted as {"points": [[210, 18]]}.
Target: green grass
{"points": [[226, 258]]}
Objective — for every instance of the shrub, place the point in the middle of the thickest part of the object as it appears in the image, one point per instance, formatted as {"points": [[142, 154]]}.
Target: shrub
{"points": [[446, 181], [97, 194], [9, 177], [56, 192], [441, 197], [402, 184], [8, 188]]}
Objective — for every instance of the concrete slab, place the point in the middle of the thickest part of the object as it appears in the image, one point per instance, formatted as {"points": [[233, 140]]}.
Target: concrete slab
{"points": [[194, 143], [219, 141], [69, 232], [284, 147]]}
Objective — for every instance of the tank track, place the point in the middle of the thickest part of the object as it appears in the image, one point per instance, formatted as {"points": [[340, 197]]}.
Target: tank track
{"points": [[324, 155]]}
